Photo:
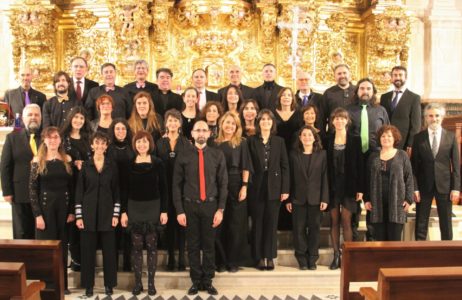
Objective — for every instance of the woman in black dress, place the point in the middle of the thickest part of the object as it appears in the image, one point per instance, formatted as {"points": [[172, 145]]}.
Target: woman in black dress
{"points": [[104, 105], [346, 179], [211, 113], [271, 183], [146, 207], [76, 132], [235, 221], [390, 186], [190, 112], [309, 195], [288, 121], [248, 113], [168, 149], [121, 152], [51, 191], [97, 209], [144, 116], [233, 99]]}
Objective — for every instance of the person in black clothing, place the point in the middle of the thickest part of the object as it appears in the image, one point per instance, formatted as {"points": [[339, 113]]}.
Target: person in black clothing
{"points": [[232, 234], [57, 108], [76, 133], [146, 207], [271, 183], [267, 93], [190, 112], [200, 183], [248, 114], [339, 95], [346, 179], [288, 120], [235, 77], [122, 106], [168, 148], [97, 209], [233, 99], [145, 117], [17, 153], [105, 106], [309, 195], [51, 191], [121, 152], [141, 84], [80, 86], [164, 99], [211, 113]]}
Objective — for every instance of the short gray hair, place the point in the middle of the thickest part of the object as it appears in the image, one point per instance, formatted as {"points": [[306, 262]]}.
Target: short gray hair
{"points": [[439, 106], [141, 62], [29, 107], [342, 65]]}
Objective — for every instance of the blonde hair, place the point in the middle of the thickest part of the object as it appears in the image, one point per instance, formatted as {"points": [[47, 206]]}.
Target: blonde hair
{"points": [[135, 122], [236, 139], [41, 157]]}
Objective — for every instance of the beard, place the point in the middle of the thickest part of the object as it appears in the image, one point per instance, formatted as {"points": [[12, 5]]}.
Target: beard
{"points": [[398, 83], [200, 141], [33, 126], [433, 126], [365, 99]]}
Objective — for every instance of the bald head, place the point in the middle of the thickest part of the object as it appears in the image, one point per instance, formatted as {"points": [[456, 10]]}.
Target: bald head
{"points": [[235, 75], [303, 82], [25, 77], [200, 133]]}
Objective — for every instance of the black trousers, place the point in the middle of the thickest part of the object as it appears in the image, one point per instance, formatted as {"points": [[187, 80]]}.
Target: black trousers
{"points": [[176, 237], [264, 213], [74, 242], [200, 235], [306, 244], [444, 208], [387, 231], [55, 216], [88, 242], [23, 221]]}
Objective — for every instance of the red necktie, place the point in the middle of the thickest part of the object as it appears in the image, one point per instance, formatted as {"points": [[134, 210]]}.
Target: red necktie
{"points": [[79, 90], [203, 194]]}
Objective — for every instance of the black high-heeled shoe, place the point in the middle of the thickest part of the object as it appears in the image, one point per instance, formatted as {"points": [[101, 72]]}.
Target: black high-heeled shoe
{"points": [[261, 265], [137, 289], [335, 262], [269, 265]]}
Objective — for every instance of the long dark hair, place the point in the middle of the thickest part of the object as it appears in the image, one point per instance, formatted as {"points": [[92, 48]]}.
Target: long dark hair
{"points": [[224, 101], [66, 128], [317, 145], [111, 134]]}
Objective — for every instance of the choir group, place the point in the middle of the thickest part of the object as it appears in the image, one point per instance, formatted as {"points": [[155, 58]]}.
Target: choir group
{"points": [[112, 167]]}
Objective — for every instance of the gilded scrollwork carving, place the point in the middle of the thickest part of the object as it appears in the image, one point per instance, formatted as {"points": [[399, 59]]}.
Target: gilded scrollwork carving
{"points": [[387, 36], [31, 24]]}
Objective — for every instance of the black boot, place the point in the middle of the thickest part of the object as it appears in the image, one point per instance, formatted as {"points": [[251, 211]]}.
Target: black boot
{"points": [[336, 261]]}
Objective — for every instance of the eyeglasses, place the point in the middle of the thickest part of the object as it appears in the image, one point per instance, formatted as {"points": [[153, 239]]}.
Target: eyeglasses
{"points": [[201, 130]]}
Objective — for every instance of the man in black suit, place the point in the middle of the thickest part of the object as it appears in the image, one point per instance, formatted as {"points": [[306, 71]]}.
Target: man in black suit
{"points": [[199, 81], [235, 77], [20, 147], [122, 103], [305, 95], [267, 93], [340, 95], [56, 109], [435, 163], [403, 108], [164, 99], [18, 98], [80, 85], [141, 83]]}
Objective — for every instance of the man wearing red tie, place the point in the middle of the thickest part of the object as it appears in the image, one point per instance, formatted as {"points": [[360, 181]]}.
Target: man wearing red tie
{"points": [[200, 183], [80, 86], [122, 103]]}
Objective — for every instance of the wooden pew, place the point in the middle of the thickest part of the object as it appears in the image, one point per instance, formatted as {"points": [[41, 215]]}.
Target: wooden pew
{"points": [[361, 261], [43, 260], [417, 283], [13, 283]]}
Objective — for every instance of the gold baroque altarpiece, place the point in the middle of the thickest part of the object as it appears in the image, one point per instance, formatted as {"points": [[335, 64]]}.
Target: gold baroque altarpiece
{"points": [[371, 36]]}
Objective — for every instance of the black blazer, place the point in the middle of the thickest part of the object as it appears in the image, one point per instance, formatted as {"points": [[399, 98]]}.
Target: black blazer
{"points": [[278, 166], [314, 98], [211, 96], [174, 101], [259, 95], [406, 116], [443, 171], [247, 92], [15, 99], [15, 165], [89, 84], [55, 113], [122, 107], [132, 90], [97, 198], [354, 165], [308, 186]]}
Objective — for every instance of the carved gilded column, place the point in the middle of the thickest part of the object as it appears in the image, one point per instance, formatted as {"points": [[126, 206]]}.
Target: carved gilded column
{"points": [[160, 20], [268, 21], [130, 22], [33, 26], [387, 36]]}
